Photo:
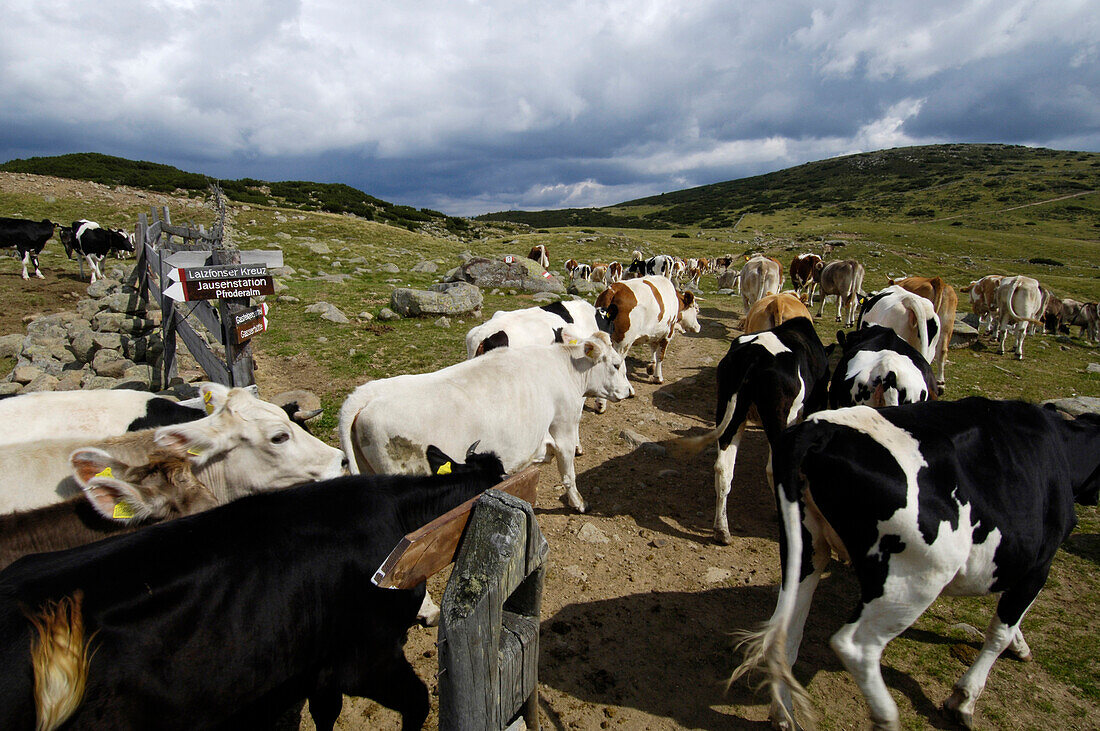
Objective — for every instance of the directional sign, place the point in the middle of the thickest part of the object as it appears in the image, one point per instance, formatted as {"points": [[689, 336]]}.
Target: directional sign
{"points": [[219, 282], [250, 322]]}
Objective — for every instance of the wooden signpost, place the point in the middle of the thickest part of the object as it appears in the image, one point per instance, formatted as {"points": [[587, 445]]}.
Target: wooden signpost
{"points": [[250, 322], [236, 281]]}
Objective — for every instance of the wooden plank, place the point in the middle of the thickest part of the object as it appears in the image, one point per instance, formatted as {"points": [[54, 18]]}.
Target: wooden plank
{"points": [[430, 549], [207, 315], [215, 369]]}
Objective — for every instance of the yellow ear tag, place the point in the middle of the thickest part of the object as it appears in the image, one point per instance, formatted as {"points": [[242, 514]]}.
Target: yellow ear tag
{"points": [[123, 511], [105, 473], [195, 452], [206, 397], [444, 469], [573, 341]]}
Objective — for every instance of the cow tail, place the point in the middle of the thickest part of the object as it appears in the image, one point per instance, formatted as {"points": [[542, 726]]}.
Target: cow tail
{"points": [[349, 412], [60, 659], [767, 646], [687, 447], [1012, 310]]}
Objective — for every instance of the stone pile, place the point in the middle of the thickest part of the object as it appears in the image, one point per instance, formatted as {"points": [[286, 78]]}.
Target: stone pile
{"points": [[112, 340]]}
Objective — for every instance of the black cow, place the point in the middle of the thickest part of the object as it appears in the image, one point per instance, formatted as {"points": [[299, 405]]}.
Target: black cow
{"points": [[784, 374], [878, 368], [225, 618], [28, 238], [966, 497], [660, 265], [93, 242]]}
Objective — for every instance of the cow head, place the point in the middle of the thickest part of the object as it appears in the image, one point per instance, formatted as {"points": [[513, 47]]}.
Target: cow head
{"points": [[603, 369], [246, 445], [689, 311], [162, 488]]}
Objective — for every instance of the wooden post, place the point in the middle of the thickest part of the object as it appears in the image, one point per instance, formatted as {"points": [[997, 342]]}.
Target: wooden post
{"points": [[489, 623], [238, 358]]}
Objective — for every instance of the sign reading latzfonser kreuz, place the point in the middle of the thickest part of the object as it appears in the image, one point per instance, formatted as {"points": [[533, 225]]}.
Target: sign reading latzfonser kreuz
{"points": [[219, 282]]}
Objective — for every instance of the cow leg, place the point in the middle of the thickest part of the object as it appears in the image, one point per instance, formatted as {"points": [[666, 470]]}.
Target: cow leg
{"points": [[839, 306], [579, 450], [1002, 336], [859, 644], [1004, 631], [324, 706], [723, 475], [1020, 333], [566, 447], [26, 259], [396, 686], [34, 260], [654, 368]]}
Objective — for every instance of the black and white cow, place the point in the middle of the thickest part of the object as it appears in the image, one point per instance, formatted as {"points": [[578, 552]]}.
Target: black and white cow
{"points": [[93, 242], [661, 265], [536, 326], [966, 497], [784, 374], [146, 630], [878, 368], [28, 239]]}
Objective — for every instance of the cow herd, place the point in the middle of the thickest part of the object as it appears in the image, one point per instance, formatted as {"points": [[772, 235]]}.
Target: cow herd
{"points": [[85, 239], [221, 609]]}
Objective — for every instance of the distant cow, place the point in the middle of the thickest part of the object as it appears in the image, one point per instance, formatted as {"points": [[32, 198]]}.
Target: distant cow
{"points": [[614, 273], [761, 275], [538, 254], [877, 368], [909, 315], [968, 497], [227, 618], [777, 376], [93, 242], [982, 301], [1019, 304], [648, 310], [844, 279], [802, 274], [581, 272], [1091, 317], [772, 310], [28, 238], [945, 302], [661, 265]]}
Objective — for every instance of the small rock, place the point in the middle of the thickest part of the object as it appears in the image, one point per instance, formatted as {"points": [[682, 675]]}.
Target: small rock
{"points": [[390, 268], [576, 572], [387, 314], [44, 382], [591, 534], [9, 389], [288, 299], [25, 374], [632, 438], [427, 267], [1093, 368], [443, 322], [716, 575], [659, 542], [364, 315], [654, 450]]}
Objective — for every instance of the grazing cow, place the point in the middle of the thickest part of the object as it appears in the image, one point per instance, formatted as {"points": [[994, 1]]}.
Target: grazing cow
{"points": [[614, 273], [28, 238], [723, 263], [660, 265], [648, 310], [1019, 304], [245, 445], [782, 375], [911, 316], [982, 300], [538, 254], [519, 403], [945, 302], [761, 275], [1052, 311], [581, 271], [802, 274], [1091, 318], [966, 497], [844, 279], [116, 498], [536, 326], [102, 413], [1072, 315], [570, 265], [598, 274], [227, 618], [877, 368], [93, 242], [772, 310]]}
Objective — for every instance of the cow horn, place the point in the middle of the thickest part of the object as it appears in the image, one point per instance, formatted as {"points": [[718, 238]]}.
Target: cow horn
{"points": [[473, 447], [303, 416]]}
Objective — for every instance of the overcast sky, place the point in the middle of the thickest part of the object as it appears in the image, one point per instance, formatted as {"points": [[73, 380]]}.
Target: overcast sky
{"points": [[471, 106]]}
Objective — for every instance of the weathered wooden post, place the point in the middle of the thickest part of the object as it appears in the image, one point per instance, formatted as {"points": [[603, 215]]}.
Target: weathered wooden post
{"points": [[489, 622]]}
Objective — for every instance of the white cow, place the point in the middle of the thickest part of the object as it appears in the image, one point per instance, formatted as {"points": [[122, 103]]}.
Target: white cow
{"points": [[535, 326], [760, 276], [246, 445], [519, 403], [1019, 304], [911, 316]]}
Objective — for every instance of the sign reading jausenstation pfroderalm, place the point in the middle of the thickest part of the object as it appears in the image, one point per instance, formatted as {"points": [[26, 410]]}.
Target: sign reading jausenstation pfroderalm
{"points": [[233, 281], [250, 322]]}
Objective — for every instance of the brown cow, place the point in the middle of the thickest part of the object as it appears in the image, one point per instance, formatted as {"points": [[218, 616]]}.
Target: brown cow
{"points": [[982, 302], [772, 310], [843, 279], [614, 273], [761, 275], [802, 274], [538, 254], [945, 301], [1090, 313]]}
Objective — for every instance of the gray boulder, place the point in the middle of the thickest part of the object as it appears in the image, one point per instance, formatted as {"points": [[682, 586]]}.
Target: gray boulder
{"points": [[964, 334], [1076, 406], [520, 273], [455, 298], [387, 314], [328, 312], [11, 345], [583, 287], [426, 267], [390, 268]]}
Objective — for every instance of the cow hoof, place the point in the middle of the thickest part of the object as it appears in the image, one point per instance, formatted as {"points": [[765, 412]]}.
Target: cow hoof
{"points": [[952, 709], [649, 369], [940, 387], [722, 538], [40, 276], [578, 451]]}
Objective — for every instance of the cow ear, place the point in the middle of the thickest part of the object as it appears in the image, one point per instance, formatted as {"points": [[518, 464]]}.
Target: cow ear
{"points": [[214, 396], [190, 440], [688, 298], [840, 338], [110, 495], [593, 349]]}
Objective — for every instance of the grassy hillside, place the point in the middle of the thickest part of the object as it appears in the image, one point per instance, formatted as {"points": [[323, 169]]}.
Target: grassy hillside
{"points": [[913, 183]]}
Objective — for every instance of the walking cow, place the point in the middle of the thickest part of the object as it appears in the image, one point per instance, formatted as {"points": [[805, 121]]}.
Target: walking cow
{"points": [[28, 238], [843, 279]]}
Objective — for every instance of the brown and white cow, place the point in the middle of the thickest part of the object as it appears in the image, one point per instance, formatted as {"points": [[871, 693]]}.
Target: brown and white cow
{"points": [[647, 309], [1019, 304], [538, 254], [802, 274], [982, 302], [1090, 314], [761, 275], [598, 274], [945, 301], [774, 309], [570, 265], [614, 273], [844, 279]]}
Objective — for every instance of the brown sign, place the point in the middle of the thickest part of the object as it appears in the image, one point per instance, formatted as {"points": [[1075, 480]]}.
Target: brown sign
{"points": [[219, 282], [250, 322]]}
